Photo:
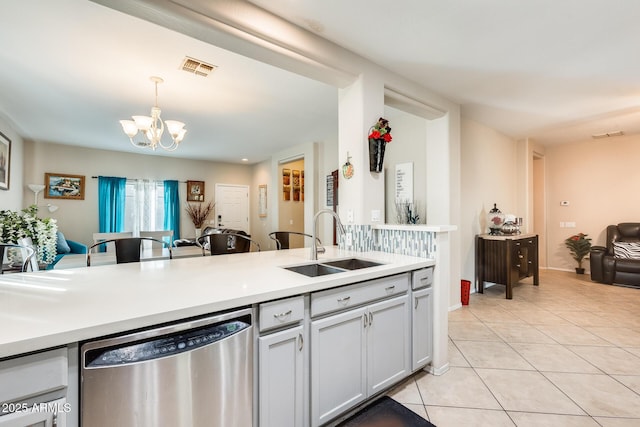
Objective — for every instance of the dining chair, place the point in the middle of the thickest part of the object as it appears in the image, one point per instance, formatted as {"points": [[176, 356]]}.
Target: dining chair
{"points": [[226, 243], [282, 238], [128, 249], [103, 237], [27, 253], [165, 235]]}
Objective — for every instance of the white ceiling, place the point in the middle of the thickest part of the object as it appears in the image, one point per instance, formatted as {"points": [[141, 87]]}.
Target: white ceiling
{"points": [[548, 70]]}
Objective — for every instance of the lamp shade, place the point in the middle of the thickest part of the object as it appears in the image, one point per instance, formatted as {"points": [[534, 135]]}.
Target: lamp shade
{"points": [[129, 127]]}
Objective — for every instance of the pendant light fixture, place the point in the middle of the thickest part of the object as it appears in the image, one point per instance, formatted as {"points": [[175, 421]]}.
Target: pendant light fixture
{"points": [[153, 127]]}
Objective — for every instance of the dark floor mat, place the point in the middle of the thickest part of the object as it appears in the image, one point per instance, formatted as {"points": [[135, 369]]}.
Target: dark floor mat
{"points": [[385, 412]]}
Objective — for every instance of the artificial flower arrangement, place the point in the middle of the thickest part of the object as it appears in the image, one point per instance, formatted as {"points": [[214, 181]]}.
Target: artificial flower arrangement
{"points": [[579, 245], [381, 130], [42, 231]]}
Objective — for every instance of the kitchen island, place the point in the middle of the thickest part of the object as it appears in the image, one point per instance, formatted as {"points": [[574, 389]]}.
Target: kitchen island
{"points": [[52, 309]]}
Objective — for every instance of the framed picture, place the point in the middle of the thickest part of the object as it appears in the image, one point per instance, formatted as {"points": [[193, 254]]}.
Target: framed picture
{"points": [[262, 200], [286, 176], [5, 161], [296, 178], [64, 186], [286, 192], [195, 191]]}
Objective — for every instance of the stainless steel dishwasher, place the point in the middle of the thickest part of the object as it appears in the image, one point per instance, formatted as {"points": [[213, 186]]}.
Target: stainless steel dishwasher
{"points": [[192, 374]]}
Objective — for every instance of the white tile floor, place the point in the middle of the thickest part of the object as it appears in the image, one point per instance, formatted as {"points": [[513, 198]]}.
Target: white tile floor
{"points": [[565, 353]]}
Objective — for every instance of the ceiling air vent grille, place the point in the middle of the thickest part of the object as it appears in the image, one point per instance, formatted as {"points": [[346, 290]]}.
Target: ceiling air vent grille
{"points": [[197, 67], [607, 134]]}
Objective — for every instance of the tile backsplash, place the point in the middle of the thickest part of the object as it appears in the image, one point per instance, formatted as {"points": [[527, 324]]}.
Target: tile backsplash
{"points": [[405, 242]]}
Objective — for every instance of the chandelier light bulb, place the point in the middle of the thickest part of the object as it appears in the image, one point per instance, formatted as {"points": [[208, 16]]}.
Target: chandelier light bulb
{"points": [[153, 127]]}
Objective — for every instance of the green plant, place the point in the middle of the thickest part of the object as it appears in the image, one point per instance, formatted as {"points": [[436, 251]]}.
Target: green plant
{"points": [[42, 231], [579, 245], [198, 212]]}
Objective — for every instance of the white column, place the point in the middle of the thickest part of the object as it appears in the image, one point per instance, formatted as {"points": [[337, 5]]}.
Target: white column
{"points": [[359, 107]]}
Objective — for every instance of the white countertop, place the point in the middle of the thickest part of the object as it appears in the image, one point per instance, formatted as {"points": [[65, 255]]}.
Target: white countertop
{"points": [[56, 307]]}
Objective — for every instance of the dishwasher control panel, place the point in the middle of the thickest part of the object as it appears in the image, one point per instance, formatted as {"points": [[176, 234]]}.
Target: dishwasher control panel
{"points": [[163, 346]]}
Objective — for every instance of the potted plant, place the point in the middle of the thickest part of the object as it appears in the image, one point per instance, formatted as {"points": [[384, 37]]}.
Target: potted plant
{"points": [[198, 212], [579, 245], [42, 231], [379, 136]]}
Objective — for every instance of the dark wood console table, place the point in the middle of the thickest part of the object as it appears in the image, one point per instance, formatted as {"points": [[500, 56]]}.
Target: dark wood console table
{"points": [[506, 260]]}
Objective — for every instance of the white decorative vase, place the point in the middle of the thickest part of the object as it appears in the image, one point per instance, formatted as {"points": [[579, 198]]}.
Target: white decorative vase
{"points": [[198, 232]]}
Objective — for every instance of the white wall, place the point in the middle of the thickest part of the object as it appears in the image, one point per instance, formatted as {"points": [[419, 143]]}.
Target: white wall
{"points": [[261, 227], [78, 219], [488, 176], [409, 145], [12, 199], [599, 178]]}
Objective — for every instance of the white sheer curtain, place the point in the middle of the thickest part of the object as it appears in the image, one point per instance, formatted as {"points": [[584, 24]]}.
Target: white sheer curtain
{"points": [[144, 206]]}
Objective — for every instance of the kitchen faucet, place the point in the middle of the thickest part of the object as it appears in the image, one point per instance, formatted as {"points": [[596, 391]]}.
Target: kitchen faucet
{"points": [[314, 246]]}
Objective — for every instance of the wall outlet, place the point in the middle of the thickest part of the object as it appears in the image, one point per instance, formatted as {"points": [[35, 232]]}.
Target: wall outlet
{"points": [[290, 222], [375, 215], [350, 215], [348, 240]]}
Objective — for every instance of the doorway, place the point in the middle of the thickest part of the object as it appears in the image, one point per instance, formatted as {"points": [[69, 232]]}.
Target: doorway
{"points": [[291, 200], [539, 208]]}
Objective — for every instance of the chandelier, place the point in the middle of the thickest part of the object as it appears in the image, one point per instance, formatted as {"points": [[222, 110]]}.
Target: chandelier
{"points": [[153, 127]]}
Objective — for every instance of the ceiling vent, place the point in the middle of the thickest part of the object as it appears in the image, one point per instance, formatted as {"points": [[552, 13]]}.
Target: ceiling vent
{"points": [[607, 134], [197, 67]]}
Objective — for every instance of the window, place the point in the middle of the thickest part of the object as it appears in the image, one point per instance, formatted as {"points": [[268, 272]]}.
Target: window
{"points": [[144, 206]]}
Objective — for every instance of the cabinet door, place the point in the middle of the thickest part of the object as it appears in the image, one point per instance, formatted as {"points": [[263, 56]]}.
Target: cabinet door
{"points": [[281, 364], [338, 364], [388, 343], [49, 414], [422, 332]]}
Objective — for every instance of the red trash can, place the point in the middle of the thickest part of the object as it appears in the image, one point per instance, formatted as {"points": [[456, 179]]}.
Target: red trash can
{"points": [[465, 289]]}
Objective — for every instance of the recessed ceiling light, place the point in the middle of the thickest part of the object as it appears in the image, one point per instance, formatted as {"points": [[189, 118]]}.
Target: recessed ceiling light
{"points": [[245, 160]]}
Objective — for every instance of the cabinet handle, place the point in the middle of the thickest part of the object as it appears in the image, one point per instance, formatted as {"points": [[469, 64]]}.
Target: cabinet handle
{"points": [[344, 299], [390, 288], [518, 265], [279, 316], [54, 422], [300, 342], [417, 301], [370, 318], [520, 256], [365, 319]]}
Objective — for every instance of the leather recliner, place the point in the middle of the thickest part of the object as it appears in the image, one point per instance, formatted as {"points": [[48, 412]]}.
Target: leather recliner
{"points": [[605, 267]]}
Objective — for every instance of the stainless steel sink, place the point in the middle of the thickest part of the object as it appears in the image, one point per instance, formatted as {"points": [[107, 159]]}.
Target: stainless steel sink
{"points": [[331, 267], [314, 270], [352, 263]]}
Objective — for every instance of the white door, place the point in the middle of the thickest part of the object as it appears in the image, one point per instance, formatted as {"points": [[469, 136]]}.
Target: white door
{"points": [[338, 364], [388, 343], [281, 378], [232, 207]]}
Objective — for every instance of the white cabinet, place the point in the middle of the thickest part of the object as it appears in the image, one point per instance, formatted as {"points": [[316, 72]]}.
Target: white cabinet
{"points": [[421, 318], [388, 343], [357, 353], [338, 364], [422, 321], [281, 364], [44, 414], [33, 390]]}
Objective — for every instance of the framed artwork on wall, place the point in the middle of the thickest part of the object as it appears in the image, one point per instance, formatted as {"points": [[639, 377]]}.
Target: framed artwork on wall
{"points": [[64, 186], [262, 200], [195, 191], [5, 161]]}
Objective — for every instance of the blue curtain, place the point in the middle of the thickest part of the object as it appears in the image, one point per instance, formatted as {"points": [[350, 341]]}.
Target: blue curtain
{"points": [[111, 198], [172, 208]]}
